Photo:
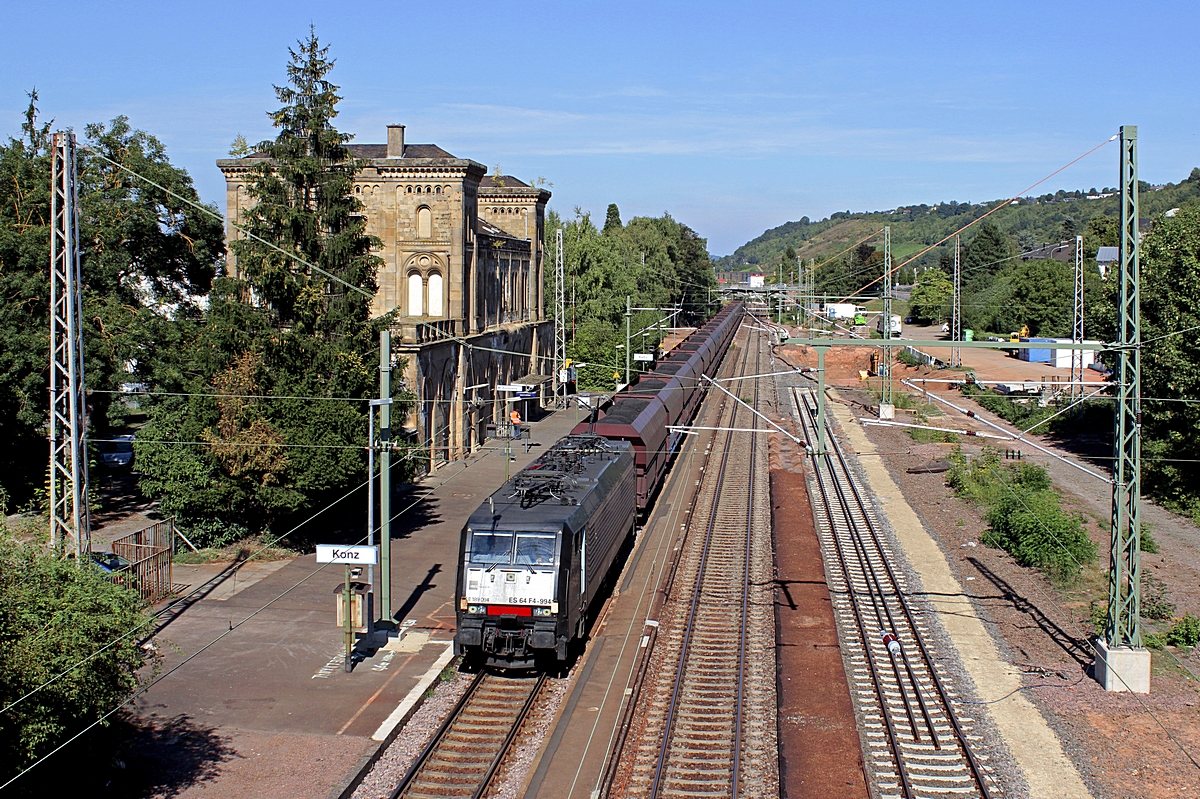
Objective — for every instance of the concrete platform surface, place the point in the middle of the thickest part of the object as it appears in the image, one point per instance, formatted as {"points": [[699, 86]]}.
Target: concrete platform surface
{"points": [[267, 710]]}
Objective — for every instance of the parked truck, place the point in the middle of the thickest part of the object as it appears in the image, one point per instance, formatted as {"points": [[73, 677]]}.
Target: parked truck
{"points": [[842, 310]]}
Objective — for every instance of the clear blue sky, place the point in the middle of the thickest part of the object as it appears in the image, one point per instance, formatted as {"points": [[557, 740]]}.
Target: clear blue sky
{"points": [[734, 117]]}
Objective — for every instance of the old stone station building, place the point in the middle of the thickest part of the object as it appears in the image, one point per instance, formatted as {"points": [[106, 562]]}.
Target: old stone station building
{"points": [[463, 268]]}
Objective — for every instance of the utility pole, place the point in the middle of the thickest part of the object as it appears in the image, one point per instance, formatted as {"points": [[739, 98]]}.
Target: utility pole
{"points": [[808, 293], [628, 322], [385, 481], [1077, 328], [1122, 663], [886, 409], [560, 322], [70, 522], [956, 311]]}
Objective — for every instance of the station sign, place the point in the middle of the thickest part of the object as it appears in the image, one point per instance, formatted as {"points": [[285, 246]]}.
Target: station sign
{"points": [[643, 356], [358, 555], [507, 387], [527, 394]]}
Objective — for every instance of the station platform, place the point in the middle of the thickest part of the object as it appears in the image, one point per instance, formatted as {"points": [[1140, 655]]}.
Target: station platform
{"points": [[263, 707]]}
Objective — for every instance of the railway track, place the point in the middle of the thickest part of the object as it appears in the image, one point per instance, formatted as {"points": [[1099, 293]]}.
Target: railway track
{"points": [[467, 750], [704, 721], [919, 741]]}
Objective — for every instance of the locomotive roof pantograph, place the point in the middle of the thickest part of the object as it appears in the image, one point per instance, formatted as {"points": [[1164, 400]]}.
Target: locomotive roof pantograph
{"points": [[563, 486]]}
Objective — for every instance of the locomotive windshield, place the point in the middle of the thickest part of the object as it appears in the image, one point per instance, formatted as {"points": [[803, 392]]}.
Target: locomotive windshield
{"points": [[491, 547], [535, 549]]}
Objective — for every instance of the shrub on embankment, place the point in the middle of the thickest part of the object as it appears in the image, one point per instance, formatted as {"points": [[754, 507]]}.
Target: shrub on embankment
{"points": [[1024, 514]]}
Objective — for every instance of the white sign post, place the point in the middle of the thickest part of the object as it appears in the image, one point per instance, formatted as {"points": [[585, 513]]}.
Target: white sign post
{"points": [[350, 556], [353, 556], [643, 356]]}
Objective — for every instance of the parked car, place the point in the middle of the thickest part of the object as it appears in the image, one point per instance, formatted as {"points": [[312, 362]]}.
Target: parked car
{"points": [[118, 452], [115, 568], [110, 562]]}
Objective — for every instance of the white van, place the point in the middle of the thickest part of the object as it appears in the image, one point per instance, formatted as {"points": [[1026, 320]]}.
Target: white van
{"points": [[896, 326]]}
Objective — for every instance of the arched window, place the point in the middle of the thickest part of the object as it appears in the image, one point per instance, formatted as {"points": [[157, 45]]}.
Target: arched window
{"points": [[429, 190], [435, 295], [424, 223], [358, 189], [415, 291], [408, 190], [437, 189]]}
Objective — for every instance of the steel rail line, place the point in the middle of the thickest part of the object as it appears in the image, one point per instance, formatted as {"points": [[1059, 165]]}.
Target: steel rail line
{"points": [[467, 749], [874, 589], [613, 766], [697, 593]]}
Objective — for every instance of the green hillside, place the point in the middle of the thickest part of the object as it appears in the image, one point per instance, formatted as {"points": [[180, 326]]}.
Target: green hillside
{"points": [[1031, 221]]}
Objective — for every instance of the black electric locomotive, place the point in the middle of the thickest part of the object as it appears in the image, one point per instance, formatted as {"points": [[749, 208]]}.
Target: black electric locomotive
{"points": [[536, 553]]}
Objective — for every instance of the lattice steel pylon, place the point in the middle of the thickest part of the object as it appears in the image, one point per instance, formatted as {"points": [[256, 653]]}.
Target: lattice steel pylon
{"points": [[885, 364], [956, 310], [560, 316], [1125, 576], [70, 523], [1077, 327]]}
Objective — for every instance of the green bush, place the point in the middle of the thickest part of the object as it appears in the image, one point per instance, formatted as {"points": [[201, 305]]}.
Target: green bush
{"points": [[982, 479], [907, 358], [1098, 616], [53, 615], [1147, 542], [1155, 605], [211, 532], [1185, 632], [1030, 525]]}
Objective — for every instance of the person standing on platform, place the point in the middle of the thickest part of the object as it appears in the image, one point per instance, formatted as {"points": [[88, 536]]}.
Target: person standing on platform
{"points": [[515, 418]]}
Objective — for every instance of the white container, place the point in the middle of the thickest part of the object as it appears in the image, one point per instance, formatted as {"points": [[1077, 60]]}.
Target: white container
{"points": [[1062, 358]]}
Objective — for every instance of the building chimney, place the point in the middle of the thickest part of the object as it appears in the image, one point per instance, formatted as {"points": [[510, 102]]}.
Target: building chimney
{"points": [[395, 145]]}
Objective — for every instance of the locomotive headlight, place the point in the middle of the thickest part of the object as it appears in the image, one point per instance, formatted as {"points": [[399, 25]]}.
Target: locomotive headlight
{"points": [[542, 612], [476, 609]]}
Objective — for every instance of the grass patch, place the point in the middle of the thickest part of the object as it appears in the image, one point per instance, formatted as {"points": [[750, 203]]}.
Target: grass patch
{"points": [[922, 436], [1147, 542], [1024, 515], [1089, 416], [1155, 605], [258, 548]]}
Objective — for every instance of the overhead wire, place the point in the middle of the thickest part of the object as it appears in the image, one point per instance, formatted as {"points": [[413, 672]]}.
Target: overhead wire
{"points": [[233, 626], [979, 219]]}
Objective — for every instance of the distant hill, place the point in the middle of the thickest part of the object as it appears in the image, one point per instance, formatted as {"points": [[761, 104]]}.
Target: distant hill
{"points": [[1032, 220]]}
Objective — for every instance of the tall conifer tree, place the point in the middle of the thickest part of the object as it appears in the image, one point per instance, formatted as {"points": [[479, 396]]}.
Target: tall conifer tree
{"points": [[304, 203]]}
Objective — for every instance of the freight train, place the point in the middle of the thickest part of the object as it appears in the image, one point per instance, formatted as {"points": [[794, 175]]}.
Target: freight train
{"points": [[535, 558]]}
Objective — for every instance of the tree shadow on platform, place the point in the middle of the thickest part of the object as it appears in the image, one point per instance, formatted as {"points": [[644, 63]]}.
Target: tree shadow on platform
{"points": [[166, 756], [132, 758]]}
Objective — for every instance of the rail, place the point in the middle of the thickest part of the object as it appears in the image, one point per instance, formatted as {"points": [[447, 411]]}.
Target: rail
{"points": [[691, 725], [466, 751], [881, 627]]}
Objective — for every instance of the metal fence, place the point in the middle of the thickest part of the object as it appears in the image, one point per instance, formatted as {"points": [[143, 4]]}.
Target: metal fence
{"points": [[149, 552]]}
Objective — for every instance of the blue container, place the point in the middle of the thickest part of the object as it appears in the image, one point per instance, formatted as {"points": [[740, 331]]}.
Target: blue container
{"points": [[1036, 354]]}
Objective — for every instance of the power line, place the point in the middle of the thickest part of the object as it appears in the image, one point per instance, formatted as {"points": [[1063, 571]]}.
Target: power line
{"points": [[205, 209], [979, 219], [232, 627]]}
